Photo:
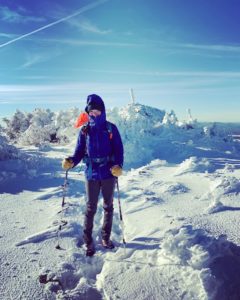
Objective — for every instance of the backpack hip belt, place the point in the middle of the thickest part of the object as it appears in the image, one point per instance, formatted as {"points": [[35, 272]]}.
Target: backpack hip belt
{"points": [[98, 160]]}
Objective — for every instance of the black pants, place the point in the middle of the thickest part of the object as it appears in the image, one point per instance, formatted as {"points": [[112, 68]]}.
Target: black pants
{"points": [[93, 188]]}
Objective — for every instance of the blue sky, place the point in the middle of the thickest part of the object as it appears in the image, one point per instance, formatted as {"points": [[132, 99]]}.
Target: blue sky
{"points": [[175, 54]]}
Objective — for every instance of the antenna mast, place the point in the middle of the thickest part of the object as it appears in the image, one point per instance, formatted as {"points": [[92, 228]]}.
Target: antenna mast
{"points": [[132, 96]]}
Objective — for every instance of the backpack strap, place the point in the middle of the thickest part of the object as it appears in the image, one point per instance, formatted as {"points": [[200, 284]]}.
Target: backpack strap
{"points": [[110, 132], [85, 129], [109, 129]]}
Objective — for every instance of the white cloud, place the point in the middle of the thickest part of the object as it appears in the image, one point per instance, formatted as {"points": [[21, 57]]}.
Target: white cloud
{"points": [[201, 49], [61, 89], [169, 48], [7, 35], [223, 48], [5, 102], [8, 15], [85, 25], [16, 17], [39, 77], [34, 59], [82, 42], [37, 58], [76, 87], [157, 73]]}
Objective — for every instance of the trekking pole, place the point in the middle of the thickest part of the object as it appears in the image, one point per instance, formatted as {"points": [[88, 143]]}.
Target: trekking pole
{"points": [[62, 222], [120, 214], [65, 187]]}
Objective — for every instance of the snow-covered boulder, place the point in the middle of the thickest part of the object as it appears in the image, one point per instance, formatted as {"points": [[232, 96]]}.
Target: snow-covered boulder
{"points": [[15, 163]]}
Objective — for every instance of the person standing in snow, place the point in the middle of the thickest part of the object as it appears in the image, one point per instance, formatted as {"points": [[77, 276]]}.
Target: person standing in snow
{"points": [[100, 146]]}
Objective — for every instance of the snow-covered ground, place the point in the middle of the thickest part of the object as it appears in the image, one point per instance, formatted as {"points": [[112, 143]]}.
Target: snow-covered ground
{"points": [[181, 220]]}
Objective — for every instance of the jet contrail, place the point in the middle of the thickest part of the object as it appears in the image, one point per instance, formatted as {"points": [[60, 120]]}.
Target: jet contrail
{"points": [[78, 12]]}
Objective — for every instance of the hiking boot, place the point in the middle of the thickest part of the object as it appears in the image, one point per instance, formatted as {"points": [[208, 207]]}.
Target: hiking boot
{"points": [[90, 249], [108, 244]]}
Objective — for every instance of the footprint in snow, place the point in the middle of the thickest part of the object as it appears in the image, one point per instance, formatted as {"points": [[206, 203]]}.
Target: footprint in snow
{"points": [[167, 216], [142, 172], [155, 200], [180, 218], [137, 269], [149, 192], [157, 183], [35, 253]]}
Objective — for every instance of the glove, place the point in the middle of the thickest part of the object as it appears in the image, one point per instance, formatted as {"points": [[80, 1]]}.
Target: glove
{"points": [[67, 163], [116, 171]]}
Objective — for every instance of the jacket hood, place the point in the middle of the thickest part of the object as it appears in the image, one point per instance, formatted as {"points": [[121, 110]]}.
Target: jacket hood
{"points": [[95, 102]]}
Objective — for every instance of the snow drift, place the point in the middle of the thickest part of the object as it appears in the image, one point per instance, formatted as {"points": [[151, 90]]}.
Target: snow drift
{"points": [[16, 163]]}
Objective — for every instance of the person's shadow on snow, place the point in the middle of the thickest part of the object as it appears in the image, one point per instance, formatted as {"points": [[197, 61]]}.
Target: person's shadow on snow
{"points": [[226, 270], [39, 183]]}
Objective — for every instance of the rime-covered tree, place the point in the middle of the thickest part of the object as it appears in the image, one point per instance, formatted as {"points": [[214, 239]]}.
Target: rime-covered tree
{"points": [[16, 125]]}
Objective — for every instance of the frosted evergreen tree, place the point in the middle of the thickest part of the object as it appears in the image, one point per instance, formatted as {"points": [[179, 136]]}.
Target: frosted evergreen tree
{"points": [[18, 124], [7, 151], [41, 129]]}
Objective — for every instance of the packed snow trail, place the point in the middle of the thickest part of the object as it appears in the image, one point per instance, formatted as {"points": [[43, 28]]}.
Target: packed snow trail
{"points": [[175, 217]]}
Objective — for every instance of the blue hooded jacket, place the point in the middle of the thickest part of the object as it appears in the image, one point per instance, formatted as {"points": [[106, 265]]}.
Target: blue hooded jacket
{"points": [[96, 144]]}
